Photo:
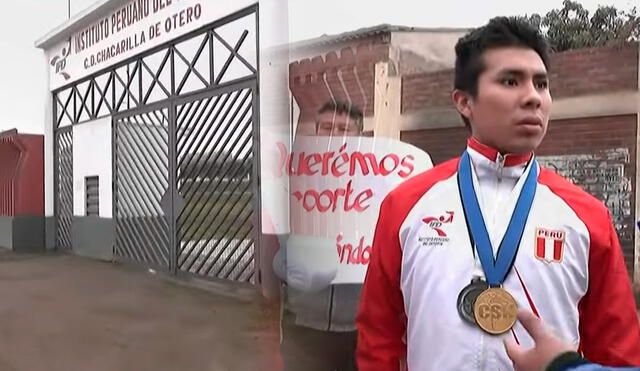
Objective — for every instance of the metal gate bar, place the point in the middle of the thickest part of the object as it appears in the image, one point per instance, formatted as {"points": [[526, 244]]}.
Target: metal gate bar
{"points": [[64, 181]]}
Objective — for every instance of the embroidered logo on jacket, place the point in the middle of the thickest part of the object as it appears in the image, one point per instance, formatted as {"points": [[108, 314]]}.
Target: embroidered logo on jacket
{"points": [[549, 245], [437, 224]]}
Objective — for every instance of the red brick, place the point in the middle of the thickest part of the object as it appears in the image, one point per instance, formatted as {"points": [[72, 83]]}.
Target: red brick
{"points": [[572, 73]]}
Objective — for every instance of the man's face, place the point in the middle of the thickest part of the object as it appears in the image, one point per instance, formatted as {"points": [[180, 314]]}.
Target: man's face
{"points": [[511, 109], [338, 124]]}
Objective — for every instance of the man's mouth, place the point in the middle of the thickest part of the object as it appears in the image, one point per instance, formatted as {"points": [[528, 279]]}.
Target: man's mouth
{"points": [[530, 121]]}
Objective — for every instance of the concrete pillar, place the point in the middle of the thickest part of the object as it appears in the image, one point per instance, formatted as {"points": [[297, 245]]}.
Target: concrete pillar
{"points": [[388, 101], [49, 193], [273, 214]]}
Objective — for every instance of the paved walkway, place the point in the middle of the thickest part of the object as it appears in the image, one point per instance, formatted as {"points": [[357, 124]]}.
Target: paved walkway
{"points": [[61, 312]]}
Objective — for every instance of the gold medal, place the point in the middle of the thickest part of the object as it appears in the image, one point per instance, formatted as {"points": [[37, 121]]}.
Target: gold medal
{"points": [[495, 310]]}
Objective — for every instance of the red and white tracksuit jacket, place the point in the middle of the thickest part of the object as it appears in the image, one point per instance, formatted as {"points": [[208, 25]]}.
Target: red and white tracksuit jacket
{"points": [[568, 270]]}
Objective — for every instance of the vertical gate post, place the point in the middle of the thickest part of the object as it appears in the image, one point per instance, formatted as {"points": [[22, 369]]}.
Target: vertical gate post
{"points": [[175, 205]]}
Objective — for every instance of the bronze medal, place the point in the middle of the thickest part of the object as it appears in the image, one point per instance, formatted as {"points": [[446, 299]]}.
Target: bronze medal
{"points": [[467, 298], [495, 310]]}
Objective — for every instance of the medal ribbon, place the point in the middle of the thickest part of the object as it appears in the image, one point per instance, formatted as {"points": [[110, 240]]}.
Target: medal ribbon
{"points": [[495, 270]]}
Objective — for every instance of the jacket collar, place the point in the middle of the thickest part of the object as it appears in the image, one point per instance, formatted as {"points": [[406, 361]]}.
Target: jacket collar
{"points": [[493, 154]]}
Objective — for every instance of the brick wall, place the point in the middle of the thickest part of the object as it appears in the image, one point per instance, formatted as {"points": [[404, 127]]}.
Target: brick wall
{"points": [[594, 70], [347, 74], [596, 153], [441, 144], [573, 73], [425, 90]]}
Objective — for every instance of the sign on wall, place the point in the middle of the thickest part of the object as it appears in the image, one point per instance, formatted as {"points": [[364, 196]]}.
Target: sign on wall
{"points": [[135, 27]]}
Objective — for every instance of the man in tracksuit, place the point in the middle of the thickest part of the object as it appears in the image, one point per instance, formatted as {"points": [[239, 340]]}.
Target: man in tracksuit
{"points": [[460, 247], [318, 318]]}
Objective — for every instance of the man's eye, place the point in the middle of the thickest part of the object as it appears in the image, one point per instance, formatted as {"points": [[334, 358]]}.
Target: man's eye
{"points": [[543, 84], [509, 82]]}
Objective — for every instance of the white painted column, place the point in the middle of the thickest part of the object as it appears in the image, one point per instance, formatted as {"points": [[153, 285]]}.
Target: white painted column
{"points": [[274, 127]]}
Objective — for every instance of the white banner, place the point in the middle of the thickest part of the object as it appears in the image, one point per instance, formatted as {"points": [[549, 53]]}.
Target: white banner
{"points": [[336, 186], [135, 27]]}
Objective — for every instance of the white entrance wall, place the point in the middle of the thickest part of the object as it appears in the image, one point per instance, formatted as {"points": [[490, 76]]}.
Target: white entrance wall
{"points": [[92, 157]]}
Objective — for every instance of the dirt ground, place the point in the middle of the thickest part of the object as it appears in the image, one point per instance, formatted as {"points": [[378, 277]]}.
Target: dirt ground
{"points": [[67, 313], [62, 312]]}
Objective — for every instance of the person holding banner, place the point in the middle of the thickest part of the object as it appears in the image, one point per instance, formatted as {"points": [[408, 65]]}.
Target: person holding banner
{"points": [[337, 180], [318, 320], [459, 248]]}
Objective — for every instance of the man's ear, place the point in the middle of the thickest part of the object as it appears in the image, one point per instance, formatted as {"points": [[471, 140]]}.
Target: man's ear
{"points": [[462, 101]]}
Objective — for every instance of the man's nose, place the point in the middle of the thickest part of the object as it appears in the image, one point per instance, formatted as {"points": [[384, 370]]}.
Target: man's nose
{"points": [[532, 96]]}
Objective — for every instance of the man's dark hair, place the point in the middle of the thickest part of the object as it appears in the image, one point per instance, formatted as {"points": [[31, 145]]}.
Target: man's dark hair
{"points": [[499, 32], [339, 106]]}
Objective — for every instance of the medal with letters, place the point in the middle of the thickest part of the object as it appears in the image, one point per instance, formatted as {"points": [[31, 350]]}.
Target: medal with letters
{"points": [[494, 309]]}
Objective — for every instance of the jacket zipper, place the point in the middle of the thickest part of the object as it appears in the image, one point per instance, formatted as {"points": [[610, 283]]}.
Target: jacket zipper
{"points": [[501, 160]]}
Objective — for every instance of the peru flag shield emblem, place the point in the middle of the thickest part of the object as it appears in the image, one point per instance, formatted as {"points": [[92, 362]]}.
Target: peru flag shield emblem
{"points": [[549, 245]]}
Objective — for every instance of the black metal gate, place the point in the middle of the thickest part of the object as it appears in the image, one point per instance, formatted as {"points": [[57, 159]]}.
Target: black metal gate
{"points": [[185, 184], [64, 186], [185, 145], [141, 183], [215, 159]]}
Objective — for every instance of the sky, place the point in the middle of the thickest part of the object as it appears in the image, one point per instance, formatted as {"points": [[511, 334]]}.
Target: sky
{"points": [[23, 68], [311, 18]]}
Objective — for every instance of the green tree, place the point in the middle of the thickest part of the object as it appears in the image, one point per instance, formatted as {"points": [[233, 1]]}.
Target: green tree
{"points": [[572, 26]]}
